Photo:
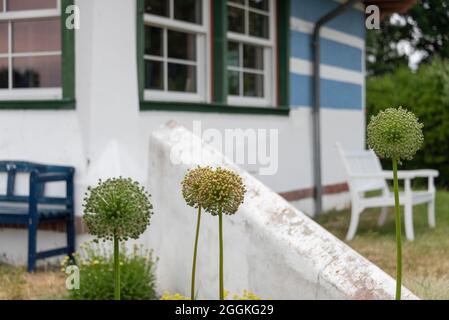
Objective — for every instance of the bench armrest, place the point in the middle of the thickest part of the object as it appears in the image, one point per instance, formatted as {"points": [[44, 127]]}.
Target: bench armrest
{"points": [[53, 176], [402, 174]]}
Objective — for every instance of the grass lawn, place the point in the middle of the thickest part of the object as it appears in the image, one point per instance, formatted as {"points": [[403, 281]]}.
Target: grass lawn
{"points": [[425, 260]]}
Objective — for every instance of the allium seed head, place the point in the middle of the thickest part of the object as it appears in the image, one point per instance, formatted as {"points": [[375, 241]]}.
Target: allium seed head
{"points": [[221, 190], [117, 207], [395, 133], [191, 185]]}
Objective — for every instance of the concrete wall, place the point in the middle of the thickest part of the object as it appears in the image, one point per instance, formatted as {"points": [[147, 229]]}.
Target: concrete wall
{"points": [[270, 247]]}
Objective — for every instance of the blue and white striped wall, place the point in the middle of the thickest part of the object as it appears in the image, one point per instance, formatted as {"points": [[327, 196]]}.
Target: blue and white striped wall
{"points": [[342, 55]]}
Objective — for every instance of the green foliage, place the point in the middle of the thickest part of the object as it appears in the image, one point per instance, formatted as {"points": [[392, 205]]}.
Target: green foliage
{"points": [[424, 27], [117, 208], [395, 134], [426, 94], [95, 262]]}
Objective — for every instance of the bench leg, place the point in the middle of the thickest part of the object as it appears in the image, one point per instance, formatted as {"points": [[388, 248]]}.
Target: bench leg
{"points": [[355, 214], [32, 238], [382, 216], [408, 215], [70, 236], [431, 213]]}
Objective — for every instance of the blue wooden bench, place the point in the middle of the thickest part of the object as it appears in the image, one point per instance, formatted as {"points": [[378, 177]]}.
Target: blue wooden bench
{"points": [[34, 208]]}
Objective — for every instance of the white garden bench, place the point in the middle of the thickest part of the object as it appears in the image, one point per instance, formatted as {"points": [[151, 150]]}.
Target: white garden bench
{"points": [[365, 174]]}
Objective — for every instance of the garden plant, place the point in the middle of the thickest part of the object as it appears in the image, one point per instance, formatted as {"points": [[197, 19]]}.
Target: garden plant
{"points": [[396, 134], [95, 263], [221, 192], [218, 192], [117, 209], [191, 193]]}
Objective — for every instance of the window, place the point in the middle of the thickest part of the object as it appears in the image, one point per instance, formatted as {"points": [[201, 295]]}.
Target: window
{"points": [[228, 56], [30, 50], [175, 50], [251, 52]]}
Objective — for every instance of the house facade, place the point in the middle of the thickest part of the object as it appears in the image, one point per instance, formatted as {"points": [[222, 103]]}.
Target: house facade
{"points": [[89, 93]]}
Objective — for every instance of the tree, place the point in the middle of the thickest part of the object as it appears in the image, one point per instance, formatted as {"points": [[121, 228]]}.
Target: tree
{"points": [[424, 27]]}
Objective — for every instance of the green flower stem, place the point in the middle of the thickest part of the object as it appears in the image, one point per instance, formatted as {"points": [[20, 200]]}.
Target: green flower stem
{"points": [[116, 269], [220, 222], [398, 231], [192, 293]]}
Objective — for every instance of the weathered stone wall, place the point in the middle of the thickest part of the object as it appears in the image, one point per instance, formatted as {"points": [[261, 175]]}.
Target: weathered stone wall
{"points": [[270, 247]]}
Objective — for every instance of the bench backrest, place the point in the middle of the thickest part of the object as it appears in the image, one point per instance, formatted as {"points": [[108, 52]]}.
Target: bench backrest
{"points": [[362, 162], [12, 168]]}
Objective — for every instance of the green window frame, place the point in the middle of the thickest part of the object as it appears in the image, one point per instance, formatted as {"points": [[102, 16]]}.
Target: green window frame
{"points": [[219, 27], [68, 101]]}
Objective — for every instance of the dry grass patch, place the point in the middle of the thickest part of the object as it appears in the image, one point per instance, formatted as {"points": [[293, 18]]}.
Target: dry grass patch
{"points": [[17, 284]]}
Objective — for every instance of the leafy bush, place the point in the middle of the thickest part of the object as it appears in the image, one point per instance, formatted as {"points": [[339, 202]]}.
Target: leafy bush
{"points": [[95, 262], [425, 92]]}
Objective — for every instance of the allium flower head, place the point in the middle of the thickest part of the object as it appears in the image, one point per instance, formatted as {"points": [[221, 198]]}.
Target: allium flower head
{"points": [[222, 189], [395, 133], [191, 185], [119, 207]]}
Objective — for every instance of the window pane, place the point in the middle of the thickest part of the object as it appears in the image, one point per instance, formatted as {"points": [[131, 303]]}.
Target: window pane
{"points": [[158, 7], [181, 45], [36, 35], [253, 85], [188, 10], [3, 73], [259, 4], [37, 72], [253, 57], [154, 75], [238, 1], [3, 37], [234, 82], [181, 77], [258, 25], [236, 19], [233, 54], [1, 6], [15, 5], [153, 41]]}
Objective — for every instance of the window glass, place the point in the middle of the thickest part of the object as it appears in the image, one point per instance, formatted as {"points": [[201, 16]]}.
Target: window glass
{"points": [[236, 19], [238, 1], [157, 7], [253, 85], [181, 45], [259, 4], [234, 82], [258, 25], [17, 5], [36, 35], [233, 54], [253, 57], [3, 73], [188, 10], [154, 41], [181, 77], [154, 75], [3, 37], [1, 6], [37, 72]]}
